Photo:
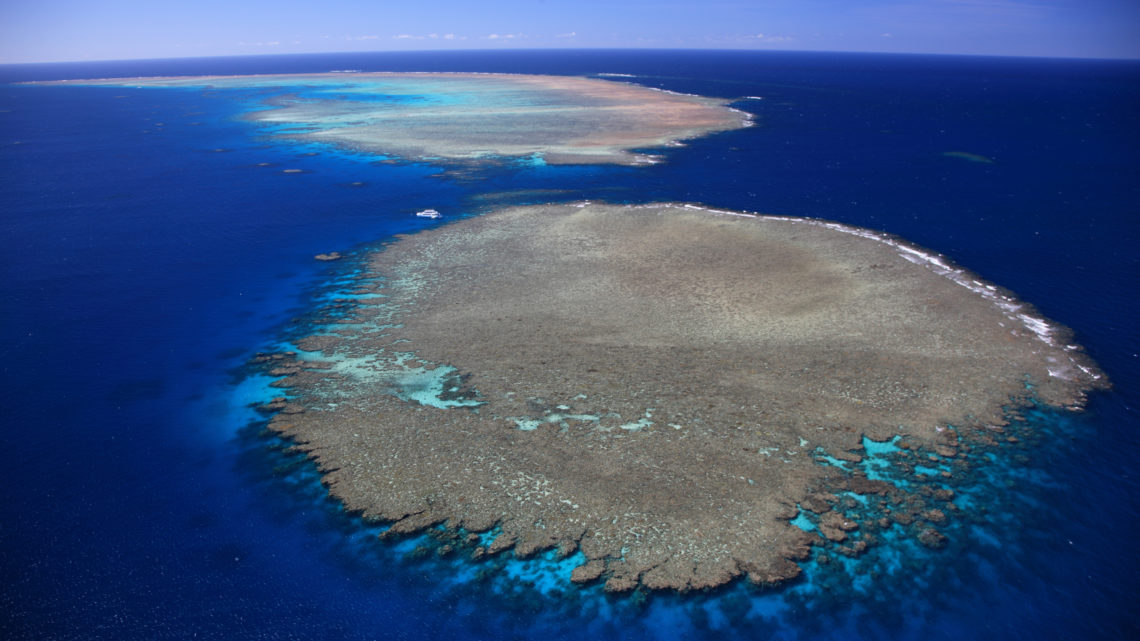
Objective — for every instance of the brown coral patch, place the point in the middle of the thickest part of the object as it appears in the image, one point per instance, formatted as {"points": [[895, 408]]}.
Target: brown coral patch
{"points": [[651, 385]]}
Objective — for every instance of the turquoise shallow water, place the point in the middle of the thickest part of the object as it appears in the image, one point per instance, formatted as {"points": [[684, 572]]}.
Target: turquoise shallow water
{"points": [[147, 262]]}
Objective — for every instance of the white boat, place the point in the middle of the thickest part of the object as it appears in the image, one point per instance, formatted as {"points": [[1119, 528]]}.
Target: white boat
{"points": [[429, 213]]}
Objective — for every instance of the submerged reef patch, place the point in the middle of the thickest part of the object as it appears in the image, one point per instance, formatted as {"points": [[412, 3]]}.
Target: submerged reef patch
{"points": [[471, 117], [671, 396]]}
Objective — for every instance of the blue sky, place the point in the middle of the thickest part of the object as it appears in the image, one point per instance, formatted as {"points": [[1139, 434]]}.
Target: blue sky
{"points": [[63, 30]]}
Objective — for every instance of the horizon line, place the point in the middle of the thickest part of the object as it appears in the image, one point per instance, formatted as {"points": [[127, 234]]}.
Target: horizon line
{"points": [[593, 49]]}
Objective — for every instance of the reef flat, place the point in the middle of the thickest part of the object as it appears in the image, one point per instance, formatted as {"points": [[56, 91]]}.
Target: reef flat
{"points": [[472, 117], [656, 386]]}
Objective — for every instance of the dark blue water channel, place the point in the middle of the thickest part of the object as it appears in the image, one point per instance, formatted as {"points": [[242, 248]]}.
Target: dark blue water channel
{"points": [[152, 242]]}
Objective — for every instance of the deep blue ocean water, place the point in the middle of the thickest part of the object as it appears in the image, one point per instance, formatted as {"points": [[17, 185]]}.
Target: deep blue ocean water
{"points": [[148, 252]]}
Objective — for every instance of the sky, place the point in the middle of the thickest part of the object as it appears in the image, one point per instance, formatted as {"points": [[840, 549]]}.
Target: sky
{"points": [[73, 30]]}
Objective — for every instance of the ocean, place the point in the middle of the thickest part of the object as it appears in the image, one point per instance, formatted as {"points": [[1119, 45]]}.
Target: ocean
{"points": [[153, 244]]}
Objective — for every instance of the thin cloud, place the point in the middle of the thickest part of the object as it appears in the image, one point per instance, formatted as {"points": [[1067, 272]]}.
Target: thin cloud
{"points": [[431, 36], [767, 38]]}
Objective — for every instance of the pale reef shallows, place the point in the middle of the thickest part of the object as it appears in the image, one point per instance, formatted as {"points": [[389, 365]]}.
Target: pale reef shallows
{"points": [[470, 117], [655, 386]]}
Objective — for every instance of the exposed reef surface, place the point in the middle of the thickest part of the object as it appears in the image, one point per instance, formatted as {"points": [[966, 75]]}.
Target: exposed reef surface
{"points": [[471, 117], [664, 391]]}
